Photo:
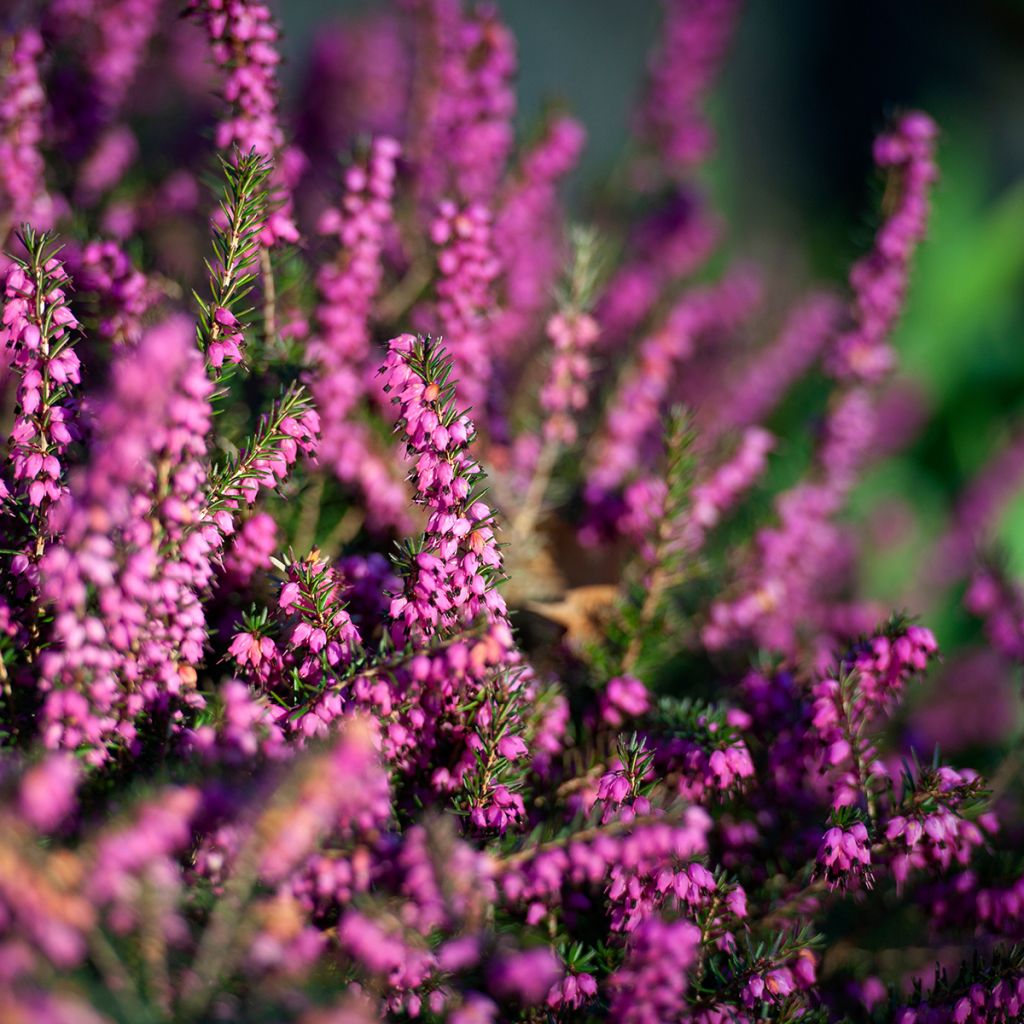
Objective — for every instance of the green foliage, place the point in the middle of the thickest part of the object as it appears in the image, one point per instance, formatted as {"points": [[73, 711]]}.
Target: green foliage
{"points": [[232, 270]]}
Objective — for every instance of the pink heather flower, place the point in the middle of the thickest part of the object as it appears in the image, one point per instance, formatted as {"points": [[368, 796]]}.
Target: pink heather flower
{"points": [[291, 427], [935, 833], [564, 393], [631, 433], [696, 34], [845, 856], [502, 810], [344, 791], [249, 552], [669, 244], [624, 698], [763, 381], [340, 349], [133, 558], [383, 951], [23, 192], [512, 748], [462, 143], [525, 976], [320, 630], [107, 165], [885, 662], [714, 496], [252, 649], [573, 991], [650, 986], [451, 580], [117, 35], [243, 37], [123, 294], [629, 866], [997, 1001], [528, 233], [47, 794], [38, 336], [244, 731], [770, 987], [656, 869], [796, 563], [468, 268], [879, 280], [706, 765]]}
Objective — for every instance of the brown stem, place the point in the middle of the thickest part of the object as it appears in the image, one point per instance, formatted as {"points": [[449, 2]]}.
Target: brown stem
{"points": [[309, 515], [526, 518], [401, 297], [852, 737], [269, 295]]}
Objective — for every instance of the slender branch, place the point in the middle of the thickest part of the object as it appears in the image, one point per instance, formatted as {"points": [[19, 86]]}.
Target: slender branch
{"points": [[526, 518], [116, 978], [269, 295]]}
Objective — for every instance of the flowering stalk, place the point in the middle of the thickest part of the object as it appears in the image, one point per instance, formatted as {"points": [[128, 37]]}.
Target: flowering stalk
{"points": [[23, 192], [762, 383], [340, 351], [466, 62], [528, 236], [38, 331], [242, 36], [665, 561], [696, 34], [222, 320], [125, 577], [122, 295], [468, 269], [651, 983], [879, 280], [795, 560], [572, 332], [668, 245], [629, 433], [491, 797], [451, 571], [289, 427], [673, 241]]}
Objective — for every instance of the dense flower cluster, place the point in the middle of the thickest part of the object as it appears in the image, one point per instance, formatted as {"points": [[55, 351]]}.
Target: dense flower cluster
{"points": [[38, 330], [517, 670], [242, 38], [23, 194], [341, 349], [121, 293]]}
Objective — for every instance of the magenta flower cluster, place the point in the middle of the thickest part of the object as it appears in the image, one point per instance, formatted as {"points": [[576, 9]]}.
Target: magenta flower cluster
{"points": [[518, 669]]}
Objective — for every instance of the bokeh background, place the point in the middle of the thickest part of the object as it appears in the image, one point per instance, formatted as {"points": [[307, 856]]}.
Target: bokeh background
{"points": [[806, 87]]}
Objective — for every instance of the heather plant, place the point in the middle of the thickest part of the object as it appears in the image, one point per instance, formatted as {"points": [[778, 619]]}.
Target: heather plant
{"points": [[402, 614]]}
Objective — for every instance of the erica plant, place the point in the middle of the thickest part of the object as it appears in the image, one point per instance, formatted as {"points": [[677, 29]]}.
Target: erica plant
{"points": [[417, 605]]}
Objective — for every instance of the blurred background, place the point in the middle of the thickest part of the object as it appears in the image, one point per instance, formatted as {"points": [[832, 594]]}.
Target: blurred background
{"points": [[806, 88]]}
